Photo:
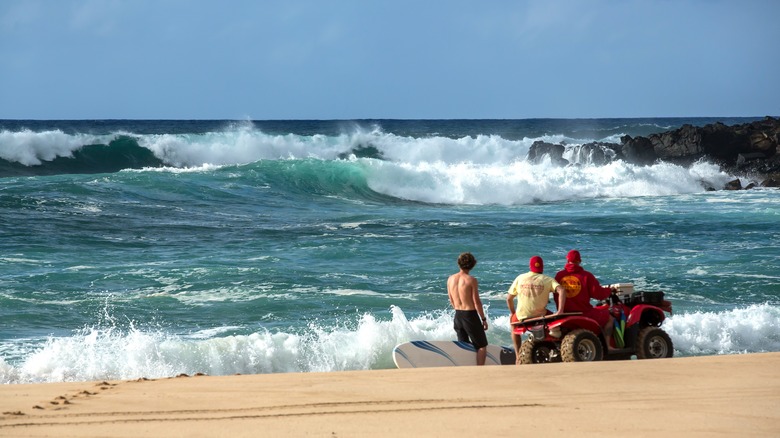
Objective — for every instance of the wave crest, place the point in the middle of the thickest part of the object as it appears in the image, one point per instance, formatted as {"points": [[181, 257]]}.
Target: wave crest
{"points": [[471, 170]]}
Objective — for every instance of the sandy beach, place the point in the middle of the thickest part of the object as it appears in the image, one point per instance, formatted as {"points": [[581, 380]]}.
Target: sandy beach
{"points": [[694, 396]]}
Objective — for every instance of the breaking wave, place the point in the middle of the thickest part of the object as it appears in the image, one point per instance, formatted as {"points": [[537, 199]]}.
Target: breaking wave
{"points": [[128, 353], [470, 170]]}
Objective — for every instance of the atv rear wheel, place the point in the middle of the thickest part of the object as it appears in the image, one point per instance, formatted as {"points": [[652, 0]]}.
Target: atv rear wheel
{"points": [[581, 345], [538, 352], [653, 343]]}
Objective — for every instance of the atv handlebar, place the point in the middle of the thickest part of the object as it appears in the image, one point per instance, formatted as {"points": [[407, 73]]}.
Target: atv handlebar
{"points": [[613, 298]]}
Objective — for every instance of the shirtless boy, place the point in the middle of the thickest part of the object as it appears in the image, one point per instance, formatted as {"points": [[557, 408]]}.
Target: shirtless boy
{"points": [[470, 322]]}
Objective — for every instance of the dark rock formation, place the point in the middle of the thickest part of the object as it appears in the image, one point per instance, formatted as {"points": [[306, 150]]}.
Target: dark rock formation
{"points": [[683, 143], [540, 149], [750, 149], [595, 153], [772, 181], [724, 144], [733, 185], [637, 150], [363, 151]]}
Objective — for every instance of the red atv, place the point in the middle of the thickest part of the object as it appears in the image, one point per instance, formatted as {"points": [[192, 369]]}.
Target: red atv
{"points": [[571, 337]]}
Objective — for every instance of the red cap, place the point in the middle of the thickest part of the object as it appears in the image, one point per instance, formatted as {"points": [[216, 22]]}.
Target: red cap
{"points": [[537, 264], [573, 256]]}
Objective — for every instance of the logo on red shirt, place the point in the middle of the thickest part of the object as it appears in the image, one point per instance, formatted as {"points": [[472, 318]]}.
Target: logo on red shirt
{"points": [[572, 285]]}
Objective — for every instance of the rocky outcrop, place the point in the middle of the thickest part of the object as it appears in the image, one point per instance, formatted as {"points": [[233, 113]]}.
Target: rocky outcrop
{"points": [[541, 149], [596, 153], [751, 145], [683, 143], [757, 140], [772, 181], [749, 149], [637, 150]]}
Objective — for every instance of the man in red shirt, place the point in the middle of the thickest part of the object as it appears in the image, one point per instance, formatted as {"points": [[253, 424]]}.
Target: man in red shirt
{"points": [[580, 287]]}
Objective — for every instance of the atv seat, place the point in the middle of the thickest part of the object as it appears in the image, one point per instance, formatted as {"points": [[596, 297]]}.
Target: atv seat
{"points": [[545, 318]]}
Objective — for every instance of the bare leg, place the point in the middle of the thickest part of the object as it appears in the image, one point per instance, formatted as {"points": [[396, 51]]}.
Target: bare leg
{"points": [[481, 355], [516, 340], [608, 329]]}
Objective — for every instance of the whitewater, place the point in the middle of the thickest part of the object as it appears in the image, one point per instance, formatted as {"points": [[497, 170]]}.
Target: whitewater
{"points": [[153, 248]]}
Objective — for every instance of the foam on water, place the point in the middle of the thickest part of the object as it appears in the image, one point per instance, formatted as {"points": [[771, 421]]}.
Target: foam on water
{"points": [[113, 353], [521, 182], [752, 329], [474, 170], [31, 148]]}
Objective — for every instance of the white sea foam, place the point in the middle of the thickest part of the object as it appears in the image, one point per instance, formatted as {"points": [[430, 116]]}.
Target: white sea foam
{"points": [[97, 354], [19, 260], [214, 332], [484, 169], [697, 271], [521, 182], [115, 354], [31, 148], [240, 146], [755, 328], [351, 292], [193, 169]]}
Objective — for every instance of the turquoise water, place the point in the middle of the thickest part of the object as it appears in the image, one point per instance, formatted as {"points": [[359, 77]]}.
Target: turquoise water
{"points": [[318, 246]]}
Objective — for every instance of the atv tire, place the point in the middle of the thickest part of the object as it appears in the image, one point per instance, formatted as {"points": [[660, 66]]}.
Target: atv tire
{"points": [[581, 345], [538, 352], [653, 343]]}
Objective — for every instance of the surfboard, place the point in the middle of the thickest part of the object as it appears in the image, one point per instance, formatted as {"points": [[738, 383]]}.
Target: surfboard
{"points": [[421, 354]]}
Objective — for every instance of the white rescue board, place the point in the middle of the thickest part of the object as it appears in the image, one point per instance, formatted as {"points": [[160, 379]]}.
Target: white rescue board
{"points": [[421, 354]]}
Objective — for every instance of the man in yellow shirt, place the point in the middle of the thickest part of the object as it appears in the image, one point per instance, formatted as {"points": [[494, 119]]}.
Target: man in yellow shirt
{"points": [[532, 290]]}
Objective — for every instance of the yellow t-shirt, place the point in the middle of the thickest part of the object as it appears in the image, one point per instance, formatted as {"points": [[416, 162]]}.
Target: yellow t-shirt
{"points": [[533, 294]]}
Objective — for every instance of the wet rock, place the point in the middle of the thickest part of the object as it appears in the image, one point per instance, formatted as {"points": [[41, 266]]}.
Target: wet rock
{"points": [[595, 153], [637, 150], [541, 149], [733, 185]]}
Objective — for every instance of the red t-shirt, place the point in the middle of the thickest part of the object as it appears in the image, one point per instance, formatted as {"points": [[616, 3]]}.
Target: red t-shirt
{"points": [[580, 287]]}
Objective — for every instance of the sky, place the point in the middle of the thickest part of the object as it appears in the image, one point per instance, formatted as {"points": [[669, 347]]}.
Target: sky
{"points": [[393, 59]]}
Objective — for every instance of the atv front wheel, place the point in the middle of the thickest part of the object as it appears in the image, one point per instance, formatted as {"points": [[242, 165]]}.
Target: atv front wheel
{"points": [[581, 345], [653, 343], [538, 352]]}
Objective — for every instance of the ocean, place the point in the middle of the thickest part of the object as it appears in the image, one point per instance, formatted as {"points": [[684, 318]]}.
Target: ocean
{"points": [[154, 248]]}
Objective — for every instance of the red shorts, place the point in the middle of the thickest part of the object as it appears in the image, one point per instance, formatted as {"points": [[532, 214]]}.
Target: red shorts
{"points": [[600, 315]]}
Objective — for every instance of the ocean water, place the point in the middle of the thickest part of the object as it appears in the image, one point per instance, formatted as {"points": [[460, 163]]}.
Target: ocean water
{"points": [[153, 248]]}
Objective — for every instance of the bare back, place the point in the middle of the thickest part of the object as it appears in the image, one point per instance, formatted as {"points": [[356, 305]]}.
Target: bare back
{"points": [[463, 291]]}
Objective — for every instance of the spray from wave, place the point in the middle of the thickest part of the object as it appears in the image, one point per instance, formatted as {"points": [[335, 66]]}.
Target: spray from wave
{"points": [[119, 354]]}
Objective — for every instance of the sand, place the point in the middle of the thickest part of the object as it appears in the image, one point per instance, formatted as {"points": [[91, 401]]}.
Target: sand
{"points": [[735, 395]]}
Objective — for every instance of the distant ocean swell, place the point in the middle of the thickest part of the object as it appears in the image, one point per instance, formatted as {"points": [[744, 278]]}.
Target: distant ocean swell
{"points": [[476, 170], [115, 352]]}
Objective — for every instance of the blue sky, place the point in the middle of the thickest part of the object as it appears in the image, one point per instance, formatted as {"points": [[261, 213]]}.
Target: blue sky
{"points": [[338, 59]]}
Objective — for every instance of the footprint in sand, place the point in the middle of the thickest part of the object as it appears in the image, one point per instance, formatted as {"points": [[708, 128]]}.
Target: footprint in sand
{"points": [[105, 385], [13, 413], [66, 401]]}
